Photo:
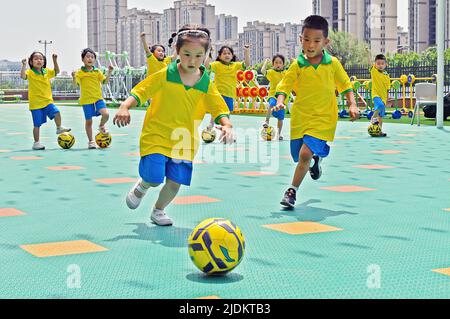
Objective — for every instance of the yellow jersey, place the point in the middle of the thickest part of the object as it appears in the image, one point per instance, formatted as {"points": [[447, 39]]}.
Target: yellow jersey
{"points": [[225, 76], [154, 65], [274, 78], [39, 88], [315, 110], [381, 83], [90, 82], [171, 124]]}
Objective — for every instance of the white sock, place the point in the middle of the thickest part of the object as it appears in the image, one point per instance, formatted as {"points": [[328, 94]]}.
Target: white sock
{"points": [[295, 188]]}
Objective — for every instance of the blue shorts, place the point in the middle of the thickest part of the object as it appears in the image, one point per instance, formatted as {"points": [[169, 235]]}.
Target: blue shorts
{"points": [[230, 102], [154, 168], [277, 114], [93, 110], [317, 146], [40, 116], [379, 106]]}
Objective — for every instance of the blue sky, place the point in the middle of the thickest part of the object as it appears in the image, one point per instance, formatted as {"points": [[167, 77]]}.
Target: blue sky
{"points": [[24, 23]]}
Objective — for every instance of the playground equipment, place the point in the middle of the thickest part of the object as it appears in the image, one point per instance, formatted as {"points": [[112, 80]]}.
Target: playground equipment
{"points": [[123, 78], [397, 84], [252, 98], [9, 98]]}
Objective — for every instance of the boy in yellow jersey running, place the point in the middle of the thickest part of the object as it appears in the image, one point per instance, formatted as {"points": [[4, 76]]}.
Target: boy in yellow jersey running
{"points": [[274, 75], [40, 94], [381, 84], [314, 115], [90, 80], [182, 94]]}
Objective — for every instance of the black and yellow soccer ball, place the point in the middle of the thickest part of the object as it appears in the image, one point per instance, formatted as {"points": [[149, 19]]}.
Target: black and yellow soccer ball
{"points": [[374, 130], [216, 246], [66, 140], [103, 140], [268, 133], [209, 135]]}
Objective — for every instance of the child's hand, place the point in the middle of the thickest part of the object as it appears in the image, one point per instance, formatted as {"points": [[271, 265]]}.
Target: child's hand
{"points": [[24, 62], [354, 112], [143, 34], [122, 118], [227, 136], [247, 46], [73, 74], [110, 69]]}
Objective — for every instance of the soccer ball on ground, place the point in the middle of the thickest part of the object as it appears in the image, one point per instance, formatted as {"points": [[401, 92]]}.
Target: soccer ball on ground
{"points": [[103, 140], [216, 246], [66, 140]]}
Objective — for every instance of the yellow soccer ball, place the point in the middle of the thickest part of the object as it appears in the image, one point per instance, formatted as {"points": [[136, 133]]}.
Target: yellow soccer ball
{"points": [[268, 134], [216, 246], [103, 140], [66, 140], [209, 136], [374, 130]]}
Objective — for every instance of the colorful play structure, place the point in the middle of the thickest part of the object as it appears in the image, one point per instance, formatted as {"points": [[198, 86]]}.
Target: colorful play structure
{"points": [[252, 98], [123, 78], [398, 89]]}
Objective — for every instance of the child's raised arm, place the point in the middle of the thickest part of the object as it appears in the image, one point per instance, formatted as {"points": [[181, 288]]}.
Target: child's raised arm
{"points": [[145, 44], [208, 58], [247, 55], [74, 78], [264, 67], [23, 70], [55, 63]]}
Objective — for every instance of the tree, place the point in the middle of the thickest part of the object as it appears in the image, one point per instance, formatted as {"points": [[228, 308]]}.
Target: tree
{"points": [[347, 49], [429, 56]]}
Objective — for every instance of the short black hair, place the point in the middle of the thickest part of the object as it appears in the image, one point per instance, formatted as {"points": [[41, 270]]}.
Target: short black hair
{"points": [[317, 23], [279, 56], [154, 47], [30, 60], [380, 57], [86, 51], [233, 59]]}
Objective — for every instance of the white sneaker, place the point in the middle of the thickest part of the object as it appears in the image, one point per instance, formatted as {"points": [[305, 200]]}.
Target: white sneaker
{"points": [[62, 129], [92, 146], [265, 125], [281, 138], [160, 218], [37, 146], [133, 201]]}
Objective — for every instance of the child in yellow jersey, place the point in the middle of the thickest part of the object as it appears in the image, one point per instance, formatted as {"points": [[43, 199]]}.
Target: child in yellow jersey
{"points": [[90, 80], [381, 83], [225, 68], [40, 94], [181, 95], [156, 56], [314, 115], [274, 75]]}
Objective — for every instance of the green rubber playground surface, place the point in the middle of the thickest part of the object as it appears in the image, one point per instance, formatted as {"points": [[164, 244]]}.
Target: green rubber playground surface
{"points": [[377, 224]]}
